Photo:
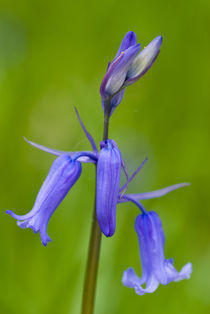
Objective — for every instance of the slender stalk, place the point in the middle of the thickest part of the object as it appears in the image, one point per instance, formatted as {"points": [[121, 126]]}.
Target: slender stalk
{"points": [[106, 118], [92, 267], [106, 127], [94, 250]]}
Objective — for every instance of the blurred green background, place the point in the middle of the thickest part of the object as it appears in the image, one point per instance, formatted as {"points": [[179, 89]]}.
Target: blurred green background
{"points": [[53, 56]]}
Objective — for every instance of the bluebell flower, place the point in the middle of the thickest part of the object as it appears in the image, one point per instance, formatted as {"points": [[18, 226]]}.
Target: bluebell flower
{"points": [[155, 268], [63, 174], [107, 185], [126, 68]]}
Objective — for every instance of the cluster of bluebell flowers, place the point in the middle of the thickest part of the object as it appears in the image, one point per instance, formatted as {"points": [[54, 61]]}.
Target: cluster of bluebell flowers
{"points": [[127, 67]]}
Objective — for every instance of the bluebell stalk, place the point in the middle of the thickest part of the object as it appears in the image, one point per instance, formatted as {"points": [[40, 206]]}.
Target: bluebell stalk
{"points": [[127, 67], [155, 268]]}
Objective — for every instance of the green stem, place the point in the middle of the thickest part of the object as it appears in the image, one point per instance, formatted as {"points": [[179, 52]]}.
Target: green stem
{"points": [[94, 250], [92, 267]]}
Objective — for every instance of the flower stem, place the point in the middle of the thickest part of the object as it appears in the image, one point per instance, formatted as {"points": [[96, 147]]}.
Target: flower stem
{"points": [[92, 267], [106, 126], [94, 251]]}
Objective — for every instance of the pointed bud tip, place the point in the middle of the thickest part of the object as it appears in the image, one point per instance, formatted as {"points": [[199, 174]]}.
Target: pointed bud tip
{"points": [[131, 34], [158, 41]]}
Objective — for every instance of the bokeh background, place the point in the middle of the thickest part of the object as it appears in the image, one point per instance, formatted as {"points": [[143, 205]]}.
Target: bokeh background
{"points": [[53, 56]]}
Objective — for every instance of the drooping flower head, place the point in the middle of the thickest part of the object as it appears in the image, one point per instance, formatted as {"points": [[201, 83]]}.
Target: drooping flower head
{"points": [[155, 268], [126, 68], [63, 174]]}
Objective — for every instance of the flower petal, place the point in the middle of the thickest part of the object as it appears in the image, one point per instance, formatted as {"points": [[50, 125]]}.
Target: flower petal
{"points": [[131, 280], [173, 274], [128, 41], [117, 72], [143, 61], [107, 186]]}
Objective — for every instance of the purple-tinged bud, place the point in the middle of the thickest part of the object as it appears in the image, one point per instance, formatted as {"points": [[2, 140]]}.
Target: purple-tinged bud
{"points": [[143, 61], [107, 186], [117, 71], [155, 268], [126, 68], [63, 174]]}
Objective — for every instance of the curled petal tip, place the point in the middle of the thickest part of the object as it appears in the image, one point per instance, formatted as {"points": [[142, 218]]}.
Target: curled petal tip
{"points": [[185, 272], [44, 242], [10, 212]]}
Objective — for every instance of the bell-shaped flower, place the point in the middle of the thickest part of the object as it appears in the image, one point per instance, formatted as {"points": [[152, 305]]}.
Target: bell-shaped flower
{"points": [[126, 68], [155, 268], [63, 174], [107, 186]]}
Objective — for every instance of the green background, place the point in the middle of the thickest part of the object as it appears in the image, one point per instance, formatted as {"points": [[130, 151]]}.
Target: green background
{"points": [[53, 56]]}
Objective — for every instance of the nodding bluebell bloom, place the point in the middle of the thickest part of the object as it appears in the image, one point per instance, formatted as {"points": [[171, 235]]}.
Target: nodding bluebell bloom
{"points": [[126, 68], [155, 268], [64, 173], [107, 186]]}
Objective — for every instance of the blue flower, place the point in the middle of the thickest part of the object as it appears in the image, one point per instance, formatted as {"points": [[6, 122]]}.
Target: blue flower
{"points": [[63, 174], [107, 186], [126, 68], [155, 268]]}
